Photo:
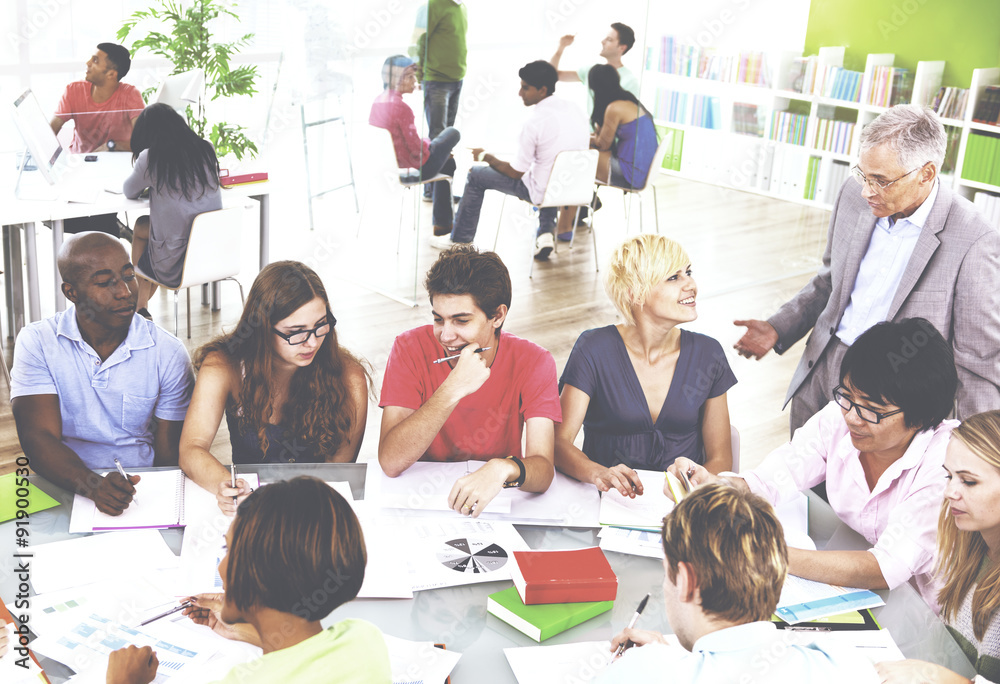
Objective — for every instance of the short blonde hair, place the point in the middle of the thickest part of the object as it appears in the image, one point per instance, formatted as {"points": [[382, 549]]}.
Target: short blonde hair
{"points": [[639, 264], [736, 547]]}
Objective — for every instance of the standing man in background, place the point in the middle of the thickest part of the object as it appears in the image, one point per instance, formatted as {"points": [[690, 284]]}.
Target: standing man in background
{"points": [[440, 37], [619, 40]]}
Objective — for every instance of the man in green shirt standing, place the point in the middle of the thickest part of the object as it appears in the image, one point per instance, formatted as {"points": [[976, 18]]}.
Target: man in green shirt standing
{"points": [[441, 50]]}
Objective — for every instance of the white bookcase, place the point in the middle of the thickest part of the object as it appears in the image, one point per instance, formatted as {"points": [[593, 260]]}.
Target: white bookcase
{"points": [[785, 170]]}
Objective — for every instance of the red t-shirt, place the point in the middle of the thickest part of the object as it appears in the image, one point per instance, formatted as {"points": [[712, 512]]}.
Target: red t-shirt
{"points": [[487, 423], [391, 113], [96, 123]]}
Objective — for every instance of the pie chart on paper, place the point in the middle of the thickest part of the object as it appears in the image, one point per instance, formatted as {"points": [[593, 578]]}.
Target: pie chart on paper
{"points": [[468, 554]]}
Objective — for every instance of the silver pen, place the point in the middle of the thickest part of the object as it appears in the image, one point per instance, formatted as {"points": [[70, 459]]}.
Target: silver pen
{"points": [[455, 356], [635, 618], [121, 471]]}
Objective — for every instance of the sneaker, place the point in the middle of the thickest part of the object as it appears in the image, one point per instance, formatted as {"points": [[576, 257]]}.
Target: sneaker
{"points": [[443, 242], [428, 198], [441, 230], [544, 244], [566, 237]]}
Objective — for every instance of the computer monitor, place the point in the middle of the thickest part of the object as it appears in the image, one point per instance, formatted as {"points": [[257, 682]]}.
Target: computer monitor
{"points": [[38, 136], [180, 90]]}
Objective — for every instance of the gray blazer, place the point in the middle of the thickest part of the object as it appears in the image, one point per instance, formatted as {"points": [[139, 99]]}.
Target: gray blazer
{"points": [[952, 280]]}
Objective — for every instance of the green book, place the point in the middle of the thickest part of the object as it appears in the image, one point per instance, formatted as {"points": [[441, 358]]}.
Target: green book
{"points": [[14, 488], [543, 620]]}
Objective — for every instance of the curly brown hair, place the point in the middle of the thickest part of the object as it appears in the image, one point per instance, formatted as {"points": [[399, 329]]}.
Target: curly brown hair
{"points": [[319, 408]]}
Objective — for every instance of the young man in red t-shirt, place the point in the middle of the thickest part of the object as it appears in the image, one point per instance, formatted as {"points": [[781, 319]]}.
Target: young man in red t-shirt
{"points": [[475, 406], [103, 109]]}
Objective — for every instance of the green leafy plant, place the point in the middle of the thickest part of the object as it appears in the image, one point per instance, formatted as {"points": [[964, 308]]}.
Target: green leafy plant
{"points": [[189, 45]]}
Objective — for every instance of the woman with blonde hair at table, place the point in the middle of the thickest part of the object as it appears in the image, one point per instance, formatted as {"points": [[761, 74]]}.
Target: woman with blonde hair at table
{"points": [[290, 393], [968, 556], [645, 391], [287, 542]]}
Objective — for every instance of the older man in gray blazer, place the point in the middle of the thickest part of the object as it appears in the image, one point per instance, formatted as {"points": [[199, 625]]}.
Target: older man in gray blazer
{"points": [[902, 247]]}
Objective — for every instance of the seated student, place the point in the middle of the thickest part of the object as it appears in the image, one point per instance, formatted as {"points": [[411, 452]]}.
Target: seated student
{"points": [[879, 446], [182, 174], [288, 540], [475, 406], [555, 125], [968, 554], [645, 391], [724, 563], [88, 382], [626, 135], [431, 157], [289, 391]]}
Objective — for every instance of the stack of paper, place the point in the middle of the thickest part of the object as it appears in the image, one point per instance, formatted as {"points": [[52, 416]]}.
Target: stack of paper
{"points": [[803, 600], [419, 661]]}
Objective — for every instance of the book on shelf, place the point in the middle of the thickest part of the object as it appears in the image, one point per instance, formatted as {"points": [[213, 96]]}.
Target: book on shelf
{"points": [[788, 127], [746, 120], [988, 106], [563, 576], [889, 86], [950, 103], [981, 159], [542, 622]]}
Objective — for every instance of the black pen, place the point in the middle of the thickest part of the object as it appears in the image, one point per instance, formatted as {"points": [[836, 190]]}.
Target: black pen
{"points": [[455, 356], [232, 478], [635, 618], [184, 604]]}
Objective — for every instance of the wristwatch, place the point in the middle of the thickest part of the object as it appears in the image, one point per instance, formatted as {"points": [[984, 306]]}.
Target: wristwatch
{"points": [[522, 474], [111, 146]]}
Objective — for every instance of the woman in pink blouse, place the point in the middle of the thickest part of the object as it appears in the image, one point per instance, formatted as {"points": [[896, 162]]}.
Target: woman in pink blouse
{"points": [[879, 446]]}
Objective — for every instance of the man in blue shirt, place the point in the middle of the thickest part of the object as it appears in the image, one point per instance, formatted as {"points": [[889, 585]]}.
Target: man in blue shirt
{"points": [[88, 382]]}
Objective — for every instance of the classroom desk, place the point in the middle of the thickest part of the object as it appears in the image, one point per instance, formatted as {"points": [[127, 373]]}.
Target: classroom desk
{"points": [[110, 170], [457, 616]]}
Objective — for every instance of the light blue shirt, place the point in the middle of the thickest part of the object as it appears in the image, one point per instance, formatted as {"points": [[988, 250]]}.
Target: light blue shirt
{"points": [[881, 270], [106, 407], [752, 653]]}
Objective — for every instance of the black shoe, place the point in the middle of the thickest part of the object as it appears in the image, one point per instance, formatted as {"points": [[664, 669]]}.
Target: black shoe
{"points": [[124, 232]]}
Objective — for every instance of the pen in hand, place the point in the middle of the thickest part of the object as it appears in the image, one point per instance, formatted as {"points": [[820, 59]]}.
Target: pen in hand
{"points": [[455, 356], [184, 604], [232, 478], [121, 471], [635, 618]]}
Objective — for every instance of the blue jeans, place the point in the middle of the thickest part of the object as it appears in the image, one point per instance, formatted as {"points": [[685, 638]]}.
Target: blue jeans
{"points": [[481, 179], [440, 108], [440, 161]]}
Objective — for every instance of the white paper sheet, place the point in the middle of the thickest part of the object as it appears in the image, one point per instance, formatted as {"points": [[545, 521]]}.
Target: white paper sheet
{"points": [[633, 542], [575, 662], [419, 662], [645, 511], [873, 645], [386, 575], [803, 599], [566, 503], [75, 562]]}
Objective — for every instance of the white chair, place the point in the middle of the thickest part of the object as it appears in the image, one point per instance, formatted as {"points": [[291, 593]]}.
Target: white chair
{"points": [[213, 254], [661, 151], [736, 448], [380, 149], [570, 184]]}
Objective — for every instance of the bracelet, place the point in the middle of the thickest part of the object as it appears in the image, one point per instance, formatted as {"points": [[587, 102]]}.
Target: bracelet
{"points": [[522, 474]]}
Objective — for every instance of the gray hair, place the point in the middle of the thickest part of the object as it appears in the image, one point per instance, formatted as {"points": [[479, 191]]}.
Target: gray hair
{"points": [[913, 131]]}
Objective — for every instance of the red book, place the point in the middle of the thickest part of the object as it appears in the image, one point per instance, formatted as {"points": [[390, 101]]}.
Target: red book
{"points": [[227, 181], [563, 576]]}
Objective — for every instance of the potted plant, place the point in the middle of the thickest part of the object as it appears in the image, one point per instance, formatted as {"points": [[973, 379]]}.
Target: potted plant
{"points": [[189, 45]]}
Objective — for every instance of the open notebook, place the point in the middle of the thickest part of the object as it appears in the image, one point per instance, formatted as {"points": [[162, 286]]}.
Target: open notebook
{"points": [[161, 497]]}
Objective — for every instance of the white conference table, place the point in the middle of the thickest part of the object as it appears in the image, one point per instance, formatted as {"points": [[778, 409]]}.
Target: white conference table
{"points": [[457, 616], [109, 171]]}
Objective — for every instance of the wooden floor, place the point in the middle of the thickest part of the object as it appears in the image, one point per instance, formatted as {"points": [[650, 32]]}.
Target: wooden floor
{"points": [[749, 254]]}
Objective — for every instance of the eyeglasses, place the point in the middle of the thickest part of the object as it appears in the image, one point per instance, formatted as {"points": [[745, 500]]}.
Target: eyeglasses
{"points": [[879, 186], [302, 336], [866, 414]]}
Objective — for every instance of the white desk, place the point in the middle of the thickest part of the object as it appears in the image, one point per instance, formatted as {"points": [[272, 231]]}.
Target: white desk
{"points": [[110, 170], [457, 615]]}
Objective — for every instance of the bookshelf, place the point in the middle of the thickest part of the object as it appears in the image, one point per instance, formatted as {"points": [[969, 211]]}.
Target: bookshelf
{"points": [[787, 126]]}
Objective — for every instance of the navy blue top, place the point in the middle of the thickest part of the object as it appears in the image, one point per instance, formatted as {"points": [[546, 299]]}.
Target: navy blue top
{"points": [[281, 446], [635, 147], [618, 419]]}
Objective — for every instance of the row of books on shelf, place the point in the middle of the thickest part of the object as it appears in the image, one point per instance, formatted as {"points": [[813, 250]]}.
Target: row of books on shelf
{"points": [[746, 120], [688, 108], [988, 107], [788, 127], [672, 156], [791, 173], [674, 57], [950, 102], [889, 86], [989, 206], [982, 159], [808, 76], [833, 136]]}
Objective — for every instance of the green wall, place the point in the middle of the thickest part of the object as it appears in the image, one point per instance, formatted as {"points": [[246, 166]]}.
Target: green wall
{"points": [[964, 33]]}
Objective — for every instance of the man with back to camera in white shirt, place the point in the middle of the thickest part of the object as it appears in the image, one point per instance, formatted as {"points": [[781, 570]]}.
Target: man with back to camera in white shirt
{"points": [[554, 125], [725, 561]]}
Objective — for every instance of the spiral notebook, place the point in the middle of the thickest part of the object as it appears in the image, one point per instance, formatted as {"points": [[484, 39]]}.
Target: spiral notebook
{"points": [[162, 499]]}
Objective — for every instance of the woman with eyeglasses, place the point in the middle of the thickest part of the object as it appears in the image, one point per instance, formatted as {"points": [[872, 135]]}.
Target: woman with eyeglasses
{"points": [[879, 446], [290, 393]]}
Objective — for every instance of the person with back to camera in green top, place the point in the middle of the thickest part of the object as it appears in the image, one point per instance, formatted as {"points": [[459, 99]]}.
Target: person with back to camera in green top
{"points": [[288, 539]]}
